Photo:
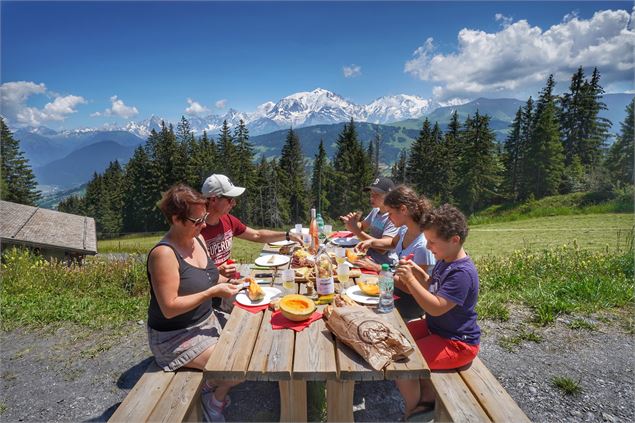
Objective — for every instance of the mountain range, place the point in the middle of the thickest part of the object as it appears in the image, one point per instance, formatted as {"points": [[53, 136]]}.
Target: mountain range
{"points": [[315, 115]]}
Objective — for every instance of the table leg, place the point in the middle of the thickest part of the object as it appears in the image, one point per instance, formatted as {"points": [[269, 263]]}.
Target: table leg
{"points": [[293, 401], [339, 400]]}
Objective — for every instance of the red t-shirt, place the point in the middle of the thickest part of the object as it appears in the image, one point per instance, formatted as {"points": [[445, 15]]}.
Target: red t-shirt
{"points": [[219, 237]]}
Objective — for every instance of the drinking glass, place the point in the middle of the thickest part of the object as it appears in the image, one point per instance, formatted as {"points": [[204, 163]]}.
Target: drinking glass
{"points": [[288, 281], [340, 255], [328, 229], [343, 272], [298, 228], [244, 270]]}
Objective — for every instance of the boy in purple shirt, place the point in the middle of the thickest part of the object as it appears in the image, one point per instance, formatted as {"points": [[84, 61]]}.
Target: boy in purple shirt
{"points": [[449, 336]]}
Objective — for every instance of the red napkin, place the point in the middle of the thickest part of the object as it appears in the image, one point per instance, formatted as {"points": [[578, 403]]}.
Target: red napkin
{"points": [[278, 321], [251, 309], [341, 234], [369, 272]]}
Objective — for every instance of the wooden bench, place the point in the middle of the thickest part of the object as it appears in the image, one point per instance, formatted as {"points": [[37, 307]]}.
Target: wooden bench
{"points": [[473, 395], [163, 397]]}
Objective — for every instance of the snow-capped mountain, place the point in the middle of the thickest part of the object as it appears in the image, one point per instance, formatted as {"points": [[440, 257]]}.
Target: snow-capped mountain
{"points": [[316, 107], [395, 108]]}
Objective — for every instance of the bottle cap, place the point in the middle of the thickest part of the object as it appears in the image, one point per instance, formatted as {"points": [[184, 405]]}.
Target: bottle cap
{"points": [[385, 267]]}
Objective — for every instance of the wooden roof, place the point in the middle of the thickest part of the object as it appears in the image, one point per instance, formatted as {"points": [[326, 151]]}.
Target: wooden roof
{"points": [[43, 228]]}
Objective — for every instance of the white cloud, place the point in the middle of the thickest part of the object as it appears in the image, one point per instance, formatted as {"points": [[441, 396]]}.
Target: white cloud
{"points": [[351, 71], [196, 108], [118, 109], [15, 95], [519, 58], [221, 104], [506, 20]]}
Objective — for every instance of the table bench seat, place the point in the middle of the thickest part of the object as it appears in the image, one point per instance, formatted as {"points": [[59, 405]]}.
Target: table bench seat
{"points": [[161, 396], [473, 395]]}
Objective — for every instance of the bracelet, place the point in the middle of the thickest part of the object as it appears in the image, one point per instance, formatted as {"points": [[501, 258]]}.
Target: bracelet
{"points": [[287, 236]]}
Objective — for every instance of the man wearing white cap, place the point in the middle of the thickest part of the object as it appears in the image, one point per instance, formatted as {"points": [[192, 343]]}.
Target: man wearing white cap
{"points": [[221, 226]]}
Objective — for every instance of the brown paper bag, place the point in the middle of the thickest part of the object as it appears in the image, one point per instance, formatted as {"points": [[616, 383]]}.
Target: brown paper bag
{"points": [[378, 342]]}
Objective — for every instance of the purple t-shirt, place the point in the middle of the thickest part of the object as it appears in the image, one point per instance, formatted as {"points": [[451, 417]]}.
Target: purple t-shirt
{"points": [[456, 281]]}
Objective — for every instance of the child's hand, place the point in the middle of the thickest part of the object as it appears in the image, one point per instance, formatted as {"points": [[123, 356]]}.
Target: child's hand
{"points": [[416, 270], [364, 245]]}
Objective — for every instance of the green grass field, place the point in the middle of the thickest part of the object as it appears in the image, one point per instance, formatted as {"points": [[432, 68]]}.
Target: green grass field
{"points": [[593, 232]]}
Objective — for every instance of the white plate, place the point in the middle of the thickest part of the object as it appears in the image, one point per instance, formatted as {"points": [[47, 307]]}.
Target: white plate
{"points": [[281, 243], [270, 293], [278, 260], [356, 294], [351, 241]]}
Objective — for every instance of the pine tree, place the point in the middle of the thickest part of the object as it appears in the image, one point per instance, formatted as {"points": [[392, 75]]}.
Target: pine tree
{"points": [[226, 153], [321, 181], [18, 182], [479, 166], [351, 173], [137, 195], [571, 104], [111, 207], [451, 158], [595, 129], [619, 160], [416, 169], [73, 204], [244, 168], [292, 173], [526, 133], [512, 157], [545, 161], [398, 171]]}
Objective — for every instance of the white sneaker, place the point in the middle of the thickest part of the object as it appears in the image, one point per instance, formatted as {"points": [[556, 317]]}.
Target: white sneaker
{"points": [[212, 412]]}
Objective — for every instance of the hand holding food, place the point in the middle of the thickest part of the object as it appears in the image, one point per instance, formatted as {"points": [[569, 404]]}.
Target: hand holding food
{"points": [[364, 245], [227, 269], [226, 290], [254, 291]]}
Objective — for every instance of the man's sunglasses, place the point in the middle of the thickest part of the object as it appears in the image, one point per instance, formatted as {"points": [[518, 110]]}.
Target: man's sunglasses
{"points": [[198, 221], [230, 199]]}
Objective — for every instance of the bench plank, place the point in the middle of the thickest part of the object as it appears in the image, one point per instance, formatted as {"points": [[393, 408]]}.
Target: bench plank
{"points": [[233, 350], [314, 356], [143, 397], [179, 398], [272, 358], [456, 398], [494, 399], [339, 399]]}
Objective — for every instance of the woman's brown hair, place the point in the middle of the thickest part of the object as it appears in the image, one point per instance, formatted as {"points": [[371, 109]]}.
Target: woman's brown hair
{"points": [[403, 195], [178, 200]]}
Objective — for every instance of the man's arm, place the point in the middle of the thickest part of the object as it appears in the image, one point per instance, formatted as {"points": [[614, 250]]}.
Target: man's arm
{"points": [[265, 235]]}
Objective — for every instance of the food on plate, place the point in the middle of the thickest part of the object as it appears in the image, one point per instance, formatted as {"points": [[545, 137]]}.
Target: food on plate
{"points": [[271, 259], [287, 249], [369, 287], [350, 255], [301, 258], [296, 307], [355, 273], [254, 291], [325, 299]]}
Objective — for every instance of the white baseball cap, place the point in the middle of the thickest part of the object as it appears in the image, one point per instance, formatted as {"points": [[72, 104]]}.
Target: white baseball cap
{"points": [[220, 185]]}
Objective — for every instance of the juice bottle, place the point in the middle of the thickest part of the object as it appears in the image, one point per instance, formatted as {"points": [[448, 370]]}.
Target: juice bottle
{"points": [[313, 232], [324, 277]]}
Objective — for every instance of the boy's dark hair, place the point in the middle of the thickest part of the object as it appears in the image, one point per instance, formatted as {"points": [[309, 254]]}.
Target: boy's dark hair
{"points": [[448, 221]]}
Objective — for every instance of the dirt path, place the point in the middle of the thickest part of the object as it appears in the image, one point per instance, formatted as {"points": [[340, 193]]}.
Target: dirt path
{"points": [[75, 374]]}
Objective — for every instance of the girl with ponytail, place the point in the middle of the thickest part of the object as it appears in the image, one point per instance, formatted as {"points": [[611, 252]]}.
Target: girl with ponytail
{"points": [[406, 210]]}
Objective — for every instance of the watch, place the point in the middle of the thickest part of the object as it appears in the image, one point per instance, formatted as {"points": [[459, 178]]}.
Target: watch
{"points": [[287, 236]]}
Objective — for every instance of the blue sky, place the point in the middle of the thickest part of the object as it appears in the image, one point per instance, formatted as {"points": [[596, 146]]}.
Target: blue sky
{"points": [[154, 56]]}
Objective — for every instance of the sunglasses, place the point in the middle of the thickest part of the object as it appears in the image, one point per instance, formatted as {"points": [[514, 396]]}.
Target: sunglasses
{"points": [[229, 199], [198, 221]]}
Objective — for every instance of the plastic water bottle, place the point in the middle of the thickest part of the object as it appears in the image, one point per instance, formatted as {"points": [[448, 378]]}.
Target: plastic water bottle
{"points": [[386, 286], [320, 223]]}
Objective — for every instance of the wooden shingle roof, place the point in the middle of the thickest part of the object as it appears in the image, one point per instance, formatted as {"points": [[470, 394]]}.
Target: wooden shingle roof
{"points": [[43, 228]]}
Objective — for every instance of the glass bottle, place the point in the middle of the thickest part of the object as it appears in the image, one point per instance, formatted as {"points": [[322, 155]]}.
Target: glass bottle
{"points": [[324, 283], [386, 286], [313, 233], [320, 223]]}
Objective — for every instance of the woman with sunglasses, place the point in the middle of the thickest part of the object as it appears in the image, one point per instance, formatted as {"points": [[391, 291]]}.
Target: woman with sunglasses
{"points": [[183, 327]]}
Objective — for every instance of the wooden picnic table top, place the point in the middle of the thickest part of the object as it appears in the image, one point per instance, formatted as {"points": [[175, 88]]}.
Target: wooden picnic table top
{"points": [[249, 348]]}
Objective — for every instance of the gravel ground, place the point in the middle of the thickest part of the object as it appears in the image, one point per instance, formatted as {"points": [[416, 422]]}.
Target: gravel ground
{"points": [[74, 374]]}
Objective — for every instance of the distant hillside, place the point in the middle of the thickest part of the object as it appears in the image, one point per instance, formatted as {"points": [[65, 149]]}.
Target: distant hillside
{"points": [[394, 139], [50, 201], [79, 166]]}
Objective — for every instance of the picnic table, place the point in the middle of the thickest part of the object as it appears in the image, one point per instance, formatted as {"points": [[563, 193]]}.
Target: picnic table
{"points": [[250, 349]]}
